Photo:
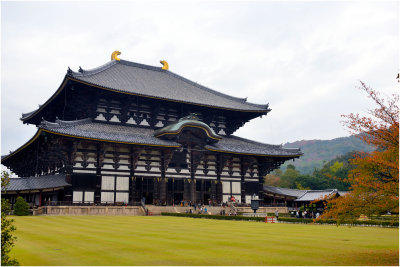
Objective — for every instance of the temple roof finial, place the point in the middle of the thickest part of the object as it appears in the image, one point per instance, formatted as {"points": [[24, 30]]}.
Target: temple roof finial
{"points": [[165, 64], [114, 55]]}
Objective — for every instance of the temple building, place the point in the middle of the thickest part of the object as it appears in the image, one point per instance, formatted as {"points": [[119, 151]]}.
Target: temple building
{"points": [[126, 132]]}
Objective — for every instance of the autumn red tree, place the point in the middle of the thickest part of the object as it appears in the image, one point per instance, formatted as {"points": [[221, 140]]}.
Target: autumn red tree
{"points": [[375, 178]]}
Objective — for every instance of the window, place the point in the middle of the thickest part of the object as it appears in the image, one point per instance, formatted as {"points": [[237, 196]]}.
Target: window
{"points": [[89, 197], [107, 197], [122, 197], [77, 196], [107, 183], [123, 183]]}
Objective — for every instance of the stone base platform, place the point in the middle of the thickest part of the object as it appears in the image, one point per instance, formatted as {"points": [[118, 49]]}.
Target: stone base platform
{"points": [[138, 210], [90, 210]]}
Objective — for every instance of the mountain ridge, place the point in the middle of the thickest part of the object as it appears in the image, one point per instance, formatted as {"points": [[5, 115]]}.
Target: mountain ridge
{"points": [[317, 151]]}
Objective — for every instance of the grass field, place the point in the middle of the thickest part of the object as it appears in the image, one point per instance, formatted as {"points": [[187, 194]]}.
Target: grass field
{"points": [[117, 240]]}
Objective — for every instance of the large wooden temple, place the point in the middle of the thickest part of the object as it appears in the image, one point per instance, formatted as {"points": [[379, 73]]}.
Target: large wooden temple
{"points": [[126, 132]]}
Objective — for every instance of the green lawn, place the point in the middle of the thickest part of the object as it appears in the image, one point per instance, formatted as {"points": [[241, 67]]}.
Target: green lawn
{"points": [[123, 240]]}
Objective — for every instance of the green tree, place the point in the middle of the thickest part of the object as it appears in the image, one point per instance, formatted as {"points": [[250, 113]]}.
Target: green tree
{"points": [[7, 227], [21, 208], [288, 178]]}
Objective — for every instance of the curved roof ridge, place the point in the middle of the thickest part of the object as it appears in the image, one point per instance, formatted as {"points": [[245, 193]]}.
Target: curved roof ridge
{"points": [[149, 67], [96, 70], [24, 115], [61, 123], [140, 65], [254, 142], [84, 73], [74, 122], [241, 100]]}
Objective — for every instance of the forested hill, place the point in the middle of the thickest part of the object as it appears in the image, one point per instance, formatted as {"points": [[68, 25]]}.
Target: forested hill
{"points": [[318, 151]]}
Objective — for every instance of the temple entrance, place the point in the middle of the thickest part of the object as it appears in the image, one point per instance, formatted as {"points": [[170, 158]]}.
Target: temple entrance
{"points": [[178, 197], [206, 198], [147, 197]]}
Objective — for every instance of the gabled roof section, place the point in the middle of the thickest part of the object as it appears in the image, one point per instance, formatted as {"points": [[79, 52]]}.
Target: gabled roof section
{"points": [[154, 82], [284, 191], [191, 121], [312, 195], [35, 183], [238, 145]]}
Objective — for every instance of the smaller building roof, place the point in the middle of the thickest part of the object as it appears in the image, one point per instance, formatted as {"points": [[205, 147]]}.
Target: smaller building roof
{"points": [[312, 195], [284, 191], [35, 183]]}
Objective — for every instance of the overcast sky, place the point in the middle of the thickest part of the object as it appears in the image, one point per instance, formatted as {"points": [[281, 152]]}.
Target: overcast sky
{"points": [[303, 58]]}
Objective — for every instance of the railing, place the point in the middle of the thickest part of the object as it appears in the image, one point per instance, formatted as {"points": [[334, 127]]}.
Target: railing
{"points": [[72, 203], [274, 205]]}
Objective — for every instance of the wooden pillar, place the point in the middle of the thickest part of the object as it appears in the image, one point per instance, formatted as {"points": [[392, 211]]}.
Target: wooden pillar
{"points": [[193, 191], [40, 198], [186, 190], [99, 161], [242, 183], [163, 188], [213, 191], [192, 179], [219, 168], [202, 191]]}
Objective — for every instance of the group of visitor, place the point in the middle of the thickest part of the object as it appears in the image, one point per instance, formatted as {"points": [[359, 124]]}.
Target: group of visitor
{"points": [[307, 214]]}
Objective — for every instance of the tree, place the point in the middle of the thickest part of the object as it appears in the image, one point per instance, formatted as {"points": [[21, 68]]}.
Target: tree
{"points": [[21, 208], [7, 227], [375, 177]]}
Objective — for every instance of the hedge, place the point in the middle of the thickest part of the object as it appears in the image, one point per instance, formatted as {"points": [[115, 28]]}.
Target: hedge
{"points": [[217, 217], [289, 220], [352, 222]]}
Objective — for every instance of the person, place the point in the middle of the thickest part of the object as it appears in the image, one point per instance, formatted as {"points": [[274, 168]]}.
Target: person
{"points": [[297, 214], [205, 210], [276, 214], [305, 214], [317, 215]]}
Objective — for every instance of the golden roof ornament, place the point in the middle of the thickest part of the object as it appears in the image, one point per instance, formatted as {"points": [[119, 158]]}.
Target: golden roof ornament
{"points": [[114, 55], [165, 64]]}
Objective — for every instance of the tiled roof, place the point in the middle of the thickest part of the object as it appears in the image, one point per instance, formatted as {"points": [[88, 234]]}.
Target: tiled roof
{"points": [[137, 135], [312, 195], [154, 82], [40, 182], [235, 144], [284, 191], [107, 132]]}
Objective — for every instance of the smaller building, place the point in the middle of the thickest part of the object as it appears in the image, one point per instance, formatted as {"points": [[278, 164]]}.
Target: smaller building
{"points": [[37, 191], [295, 198]]}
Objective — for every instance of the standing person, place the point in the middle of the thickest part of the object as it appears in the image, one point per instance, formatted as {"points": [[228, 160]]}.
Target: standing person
{"points": [[297, 214], [305, 214], [276, 214]]}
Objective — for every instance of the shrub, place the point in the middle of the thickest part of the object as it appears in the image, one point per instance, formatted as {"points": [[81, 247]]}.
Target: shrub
{"points": [[217, 217], [21, 208], [289, 220], [348, 222]]}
